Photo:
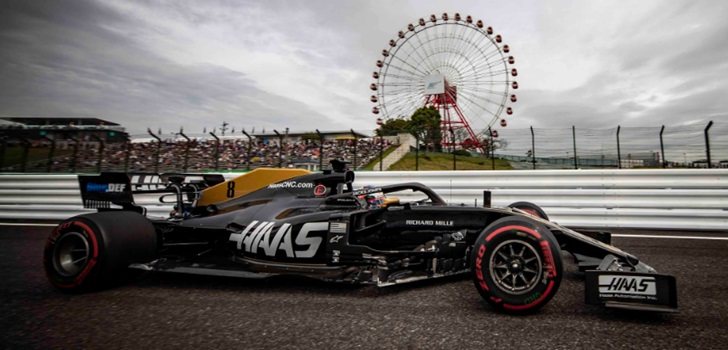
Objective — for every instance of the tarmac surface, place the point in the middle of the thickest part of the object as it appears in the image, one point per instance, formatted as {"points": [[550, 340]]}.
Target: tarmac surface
{"points": [[181, 311]]}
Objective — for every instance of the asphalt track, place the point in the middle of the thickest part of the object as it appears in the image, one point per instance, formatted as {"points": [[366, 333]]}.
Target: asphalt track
{"points": [[180, 311]]}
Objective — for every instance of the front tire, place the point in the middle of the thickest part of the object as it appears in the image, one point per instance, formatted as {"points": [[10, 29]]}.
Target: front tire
{"points": [[92, 251], [516, 265], [530, 208]]}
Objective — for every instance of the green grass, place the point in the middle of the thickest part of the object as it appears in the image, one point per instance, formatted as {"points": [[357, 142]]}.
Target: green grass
{"points": [[371, 163], [443, 161]]}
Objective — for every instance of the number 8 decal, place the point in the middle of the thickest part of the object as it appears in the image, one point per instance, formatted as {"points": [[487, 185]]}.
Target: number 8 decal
{"points": [[231, 189]]}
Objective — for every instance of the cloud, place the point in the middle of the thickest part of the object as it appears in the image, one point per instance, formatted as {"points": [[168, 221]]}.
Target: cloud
{"points": [[303, 65]]}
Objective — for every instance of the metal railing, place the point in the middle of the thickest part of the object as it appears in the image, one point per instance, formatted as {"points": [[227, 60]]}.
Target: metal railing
{"points": [[637, 198]]}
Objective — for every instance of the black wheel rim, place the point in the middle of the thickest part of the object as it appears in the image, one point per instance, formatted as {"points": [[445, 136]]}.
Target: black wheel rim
{"points": [[71, 254], [515, 267]]}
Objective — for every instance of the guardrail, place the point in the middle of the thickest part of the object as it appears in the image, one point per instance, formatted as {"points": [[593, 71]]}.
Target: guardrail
{"points": [[658, 199]]}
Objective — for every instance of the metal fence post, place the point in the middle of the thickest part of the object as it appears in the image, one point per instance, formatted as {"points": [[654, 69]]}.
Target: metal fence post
{"points": [[187, 150], [159, 147], [24, 159], [381, 149], [417, 152], [619, 149], [51, 154], [356, 143], [74, 154], [533, 149], [321, 150], [662, 148], [250, 142], [707, 143], [127, 154], [217, 150], [452, 149], [573, 135], [492, 149], [101, 152], [3, 146]]}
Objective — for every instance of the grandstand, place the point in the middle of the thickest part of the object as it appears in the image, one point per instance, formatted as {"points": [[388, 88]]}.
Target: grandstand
{"points": [[88, 145], [61, 128]]}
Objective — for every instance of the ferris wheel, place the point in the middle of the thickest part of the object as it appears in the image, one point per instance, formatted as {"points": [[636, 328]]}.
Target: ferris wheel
{"points": [[454, 64]]}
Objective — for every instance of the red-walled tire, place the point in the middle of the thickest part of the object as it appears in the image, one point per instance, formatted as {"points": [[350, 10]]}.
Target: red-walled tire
{"points": [[516, 265], [530, 208], [92, 251]]}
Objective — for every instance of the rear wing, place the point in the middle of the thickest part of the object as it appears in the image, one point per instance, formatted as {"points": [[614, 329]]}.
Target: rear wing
{"points": [[112, 190], [104, 190]]}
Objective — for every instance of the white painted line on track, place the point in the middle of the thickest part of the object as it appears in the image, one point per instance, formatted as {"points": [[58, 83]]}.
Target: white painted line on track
{"points": [[704, 238], [26, 224]]}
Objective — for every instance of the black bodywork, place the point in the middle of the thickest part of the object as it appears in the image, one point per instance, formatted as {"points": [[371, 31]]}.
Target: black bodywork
{"points": [[337, 235]]}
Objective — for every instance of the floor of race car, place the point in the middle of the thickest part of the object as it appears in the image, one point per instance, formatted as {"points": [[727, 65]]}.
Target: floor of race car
{"points": [[169, 310]]}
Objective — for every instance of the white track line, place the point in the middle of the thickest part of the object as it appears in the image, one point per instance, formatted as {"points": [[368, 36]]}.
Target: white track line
{"points": [[26, 224], [706, 238]]}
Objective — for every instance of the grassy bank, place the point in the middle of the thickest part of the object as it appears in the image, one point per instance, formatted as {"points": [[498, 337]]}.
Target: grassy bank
{"points": [[443, 161]]}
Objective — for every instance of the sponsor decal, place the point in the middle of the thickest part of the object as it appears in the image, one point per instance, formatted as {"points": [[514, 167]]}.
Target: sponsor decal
{"points": [[319, 190], [337, 227], [258, 238], [146, 182], [429, 222], [635, 287], [549, 263], [105, 188], [336, 239], [479, 267], [367, 190], [291, 185]]}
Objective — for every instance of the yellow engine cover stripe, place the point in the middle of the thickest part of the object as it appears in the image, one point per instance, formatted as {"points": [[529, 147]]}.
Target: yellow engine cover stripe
{"points": [[246, 183]]}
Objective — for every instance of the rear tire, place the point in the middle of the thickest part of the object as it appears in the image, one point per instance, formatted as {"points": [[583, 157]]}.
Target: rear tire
{"points": [[530, 208], [93, 251], [516, 265]]}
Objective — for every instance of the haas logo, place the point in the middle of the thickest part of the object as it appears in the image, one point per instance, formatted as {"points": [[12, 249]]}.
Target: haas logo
{"points": [[258, 237], [622, 284]]}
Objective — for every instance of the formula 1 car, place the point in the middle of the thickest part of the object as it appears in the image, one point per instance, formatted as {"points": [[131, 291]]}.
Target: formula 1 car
{"points": [[272, 222]]}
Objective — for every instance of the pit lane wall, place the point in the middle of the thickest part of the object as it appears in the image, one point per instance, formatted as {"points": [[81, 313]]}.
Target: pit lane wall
{"points": [[685, 199]]}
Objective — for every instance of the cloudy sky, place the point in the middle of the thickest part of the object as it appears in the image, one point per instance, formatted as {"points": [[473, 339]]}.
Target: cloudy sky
{"points": [[308, 64]]}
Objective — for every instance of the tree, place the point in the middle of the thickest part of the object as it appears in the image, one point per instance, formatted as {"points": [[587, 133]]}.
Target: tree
{"points": [[425, 125], [394, 126]]}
